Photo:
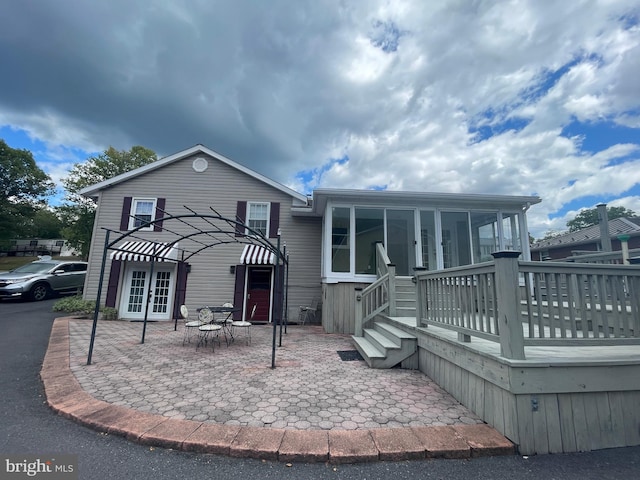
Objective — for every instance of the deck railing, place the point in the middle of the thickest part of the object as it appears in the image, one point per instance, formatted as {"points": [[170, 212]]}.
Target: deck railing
{"points": [[519, 303], [615, 257], [581, 301], [379, 296], [31, 250]]}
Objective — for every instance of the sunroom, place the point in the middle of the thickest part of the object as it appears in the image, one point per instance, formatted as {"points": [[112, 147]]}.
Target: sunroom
{"points": [[419, 230]]}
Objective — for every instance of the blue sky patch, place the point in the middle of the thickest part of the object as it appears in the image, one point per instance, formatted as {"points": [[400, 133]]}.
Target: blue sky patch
{"points": [[483, 132], [493, 122], [591, 201], [44, 156], [311, 178], [385, 36], [598, 136], [17, 138]]}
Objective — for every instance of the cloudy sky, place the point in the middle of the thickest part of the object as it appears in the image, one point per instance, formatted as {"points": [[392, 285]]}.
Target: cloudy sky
{"points": [[515, 97]]}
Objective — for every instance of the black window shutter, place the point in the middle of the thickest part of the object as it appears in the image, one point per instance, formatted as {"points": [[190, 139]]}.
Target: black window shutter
{"points": [[160, 203], [112, 285], [241, 216], [238, 291], [126, 211], [274, 219], [181, 288]]}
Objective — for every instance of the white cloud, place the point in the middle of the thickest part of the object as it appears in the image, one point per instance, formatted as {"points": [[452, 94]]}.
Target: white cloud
{"points": [[443, 96]]}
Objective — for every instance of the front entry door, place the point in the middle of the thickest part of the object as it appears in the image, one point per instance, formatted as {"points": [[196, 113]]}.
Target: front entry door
{"points": [[401, 240], [136, 289], [259, 281]]}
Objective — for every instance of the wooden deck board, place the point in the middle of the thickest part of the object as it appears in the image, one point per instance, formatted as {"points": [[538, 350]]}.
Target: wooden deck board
{"points": [[552, 355], [567, 429]]}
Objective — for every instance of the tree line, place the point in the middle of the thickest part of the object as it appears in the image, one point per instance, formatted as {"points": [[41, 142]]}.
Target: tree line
{"points": [[589, 217], [26, 192], [26, 189]]}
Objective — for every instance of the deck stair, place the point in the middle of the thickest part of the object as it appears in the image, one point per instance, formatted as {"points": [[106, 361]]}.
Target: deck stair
{"points": [[405, 297], [385, 346]]}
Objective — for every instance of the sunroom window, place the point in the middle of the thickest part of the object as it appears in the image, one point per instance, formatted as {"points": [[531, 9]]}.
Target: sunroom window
{"points": [[369, 231], [340, 243], [511, 232], [484, 232], [456, 244], [428, 240]]}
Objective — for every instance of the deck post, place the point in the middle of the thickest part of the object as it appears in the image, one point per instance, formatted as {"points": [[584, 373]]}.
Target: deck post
{"points": [[392, 289], [507, 291], [358, 313], [421, 297], [624, 244]]}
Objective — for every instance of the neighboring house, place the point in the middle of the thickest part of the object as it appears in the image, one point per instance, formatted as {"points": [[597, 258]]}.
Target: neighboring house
{"points": [[39, 246], [330, 238], [587, 240]]}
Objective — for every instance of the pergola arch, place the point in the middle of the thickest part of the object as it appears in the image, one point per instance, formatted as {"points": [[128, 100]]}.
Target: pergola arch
{"points": [[203, 231]]}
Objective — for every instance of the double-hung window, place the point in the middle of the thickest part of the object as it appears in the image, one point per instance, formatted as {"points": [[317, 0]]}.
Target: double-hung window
{"points": [[258, 217], [142, 212]]}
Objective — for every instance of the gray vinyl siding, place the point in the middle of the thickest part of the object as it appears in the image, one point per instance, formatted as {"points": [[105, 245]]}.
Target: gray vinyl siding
{"points": [[219, 187]]}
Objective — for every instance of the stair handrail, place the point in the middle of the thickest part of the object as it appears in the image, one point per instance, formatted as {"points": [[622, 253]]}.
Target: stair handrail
{"points": [[378, 297], [382, 260]]}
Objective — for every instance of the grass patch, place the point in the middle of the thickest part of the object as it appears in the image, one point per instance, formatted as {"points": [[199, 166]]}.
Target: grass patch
{"points": [[9, 263]]}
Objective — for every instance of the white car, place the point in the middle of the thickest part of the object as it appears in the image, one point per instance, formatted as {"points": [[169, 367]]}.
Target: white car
{"points": [[38, 280]]}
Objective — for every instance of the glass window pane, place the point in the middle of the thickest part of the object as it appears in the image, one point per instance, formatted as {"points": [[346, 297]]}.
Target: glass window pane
{"points": [[484, 231], [258, 217], [144, 207], [511, 232], [340, 246], [143, 212], [258, 211], [401, 240], [428, 240], [369, 231], [456, 244]]}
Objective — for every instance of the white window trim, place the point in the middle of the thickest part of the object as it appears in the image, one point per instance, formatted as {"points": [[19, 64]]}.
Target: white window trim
{"points": [[132, 211], [268, 204]]}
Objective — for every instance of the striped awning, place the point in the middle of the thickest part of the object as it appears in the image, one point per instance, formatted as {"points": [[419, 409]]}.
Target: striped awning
{"points": [[146, 251], [257, 255]]}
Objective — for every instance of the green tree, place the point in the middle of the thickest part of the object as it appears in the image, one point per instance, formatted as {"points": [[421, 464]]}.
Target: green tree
{"points": [[78, 212], [589, 217], [24, 188], [45, 224]]}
